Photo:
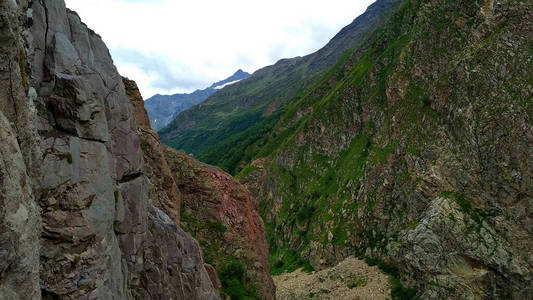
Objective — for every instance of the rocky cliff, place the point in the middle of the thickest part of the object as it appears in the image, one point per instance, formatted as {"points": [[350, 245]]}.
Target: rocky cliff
{"points": [[163, 192], [215, 208], [415, 153], [220, 213], [82, 213]]}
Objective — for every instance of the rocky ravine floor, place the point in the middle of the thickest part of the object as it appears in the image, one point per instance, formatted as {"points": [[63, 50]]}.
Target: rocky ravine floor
{"points": [[350, 279]]}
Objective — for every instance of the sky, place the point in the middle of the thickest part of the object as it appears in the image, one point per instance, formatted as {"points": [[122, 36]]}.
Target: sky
{"points": [[176, 46]]}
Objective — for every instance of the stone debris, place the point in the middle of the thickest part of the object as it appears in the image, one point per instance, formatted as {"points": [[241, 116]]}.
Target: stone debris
{"points": [[351, 279]]}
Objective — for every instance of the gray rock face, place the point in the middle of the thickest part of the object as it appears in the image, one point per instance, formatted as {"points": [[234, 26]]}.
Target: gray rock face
{"points": [[97, 235], [19, 152], [163, 261], [175, 270], [19, 223], [89, 141], [478, 253]]}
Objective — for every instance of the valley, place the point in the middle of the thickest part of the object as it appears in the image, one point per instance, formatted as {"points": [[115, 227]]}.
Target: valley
{"points": [[396, 162]]}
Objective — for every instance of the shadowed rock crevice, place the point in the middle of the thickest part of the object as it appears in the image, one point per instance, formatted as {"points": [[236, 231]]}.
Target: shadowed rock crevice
{"points": [[130, 177]]}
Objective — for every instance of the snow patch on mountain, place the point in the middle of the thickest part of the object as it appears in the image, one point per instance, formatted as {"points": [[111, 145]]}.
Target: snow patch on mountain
{"points": [[226, 84]]}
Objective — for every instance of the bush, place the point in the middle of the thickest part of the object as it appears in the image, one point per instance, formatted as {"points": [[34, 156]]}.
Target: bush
{"points": [[285, 260], [234, 282], [398, 291], [356, 280], [304, 214], [216, 226]]}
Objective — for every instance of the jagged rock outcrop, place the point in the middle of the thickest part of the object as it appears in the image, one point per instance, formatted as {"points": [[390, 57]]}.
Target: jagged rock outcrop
{"points": [[19, 159], [414, 151], [139, 112], [164, 192], [220, 213], [216, 209], [19, 223], [86, 228]]}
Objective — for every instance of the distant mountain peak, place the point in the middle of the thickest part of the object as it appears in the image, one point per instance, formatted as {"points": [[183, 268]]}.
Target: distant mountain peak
{"points": [[237, 76], [162, 109]]}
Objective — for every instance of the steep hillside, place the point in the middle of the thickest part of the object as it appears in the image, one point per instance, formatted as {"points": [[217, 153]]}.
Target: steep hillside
{"points": [[219, 212], [415, 153], [163, 109], [219, 130], [215, 209]]}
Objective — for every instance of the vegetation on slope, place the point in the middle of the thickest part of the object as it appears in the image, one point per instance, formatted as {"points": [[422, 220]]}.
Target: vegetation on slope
{"points": [[434, 106], [219, 213], [222, 130], [230, 270], [163, 109]]}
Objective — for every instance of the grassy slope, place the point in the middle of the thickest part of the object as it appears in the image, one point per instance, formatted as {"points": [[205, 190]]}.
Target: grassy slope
{"points": [[226, 118], [221, 130], [342, 154]]}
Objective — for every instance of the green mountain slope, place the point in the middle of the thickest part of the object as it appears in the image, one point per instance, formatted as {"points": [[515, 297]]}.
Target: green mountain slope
{"points": [[414, 151], [163, 109], [218, 130]]}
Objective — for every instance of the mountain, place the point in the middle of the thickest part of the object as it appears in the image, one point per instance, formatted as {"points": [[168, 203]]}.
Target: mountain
{"points": [[219, 130], [220, 214], [89, 203], [413, 153], [211, 206], [163, 109]]}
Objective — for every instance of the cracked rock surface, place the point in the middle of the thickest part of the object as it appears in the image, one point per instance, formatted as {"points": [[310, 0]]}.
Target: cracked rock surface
{"points": [[77, 220]]}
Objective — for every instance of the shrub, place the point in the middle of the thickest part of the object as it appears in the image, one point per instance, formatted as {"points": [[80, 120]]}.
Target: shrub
{"points": [[285, 260], [216, 226], [398, 291], [234, 282], [355, 280]]}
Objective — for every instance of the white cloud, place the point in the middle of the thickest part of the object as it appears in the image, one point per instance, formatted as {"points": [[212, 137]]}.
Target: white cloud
{"points": [[170, 46]]}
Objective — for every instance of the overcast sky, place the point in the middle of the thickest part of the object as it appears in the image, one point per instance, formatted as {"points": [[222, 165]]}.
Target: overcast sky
{"points": [[170, 46]]}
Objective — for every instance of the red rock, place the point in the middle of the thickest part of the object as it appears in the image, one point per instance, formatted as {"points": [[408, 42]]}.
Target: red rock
{"points": [[211, 195]]}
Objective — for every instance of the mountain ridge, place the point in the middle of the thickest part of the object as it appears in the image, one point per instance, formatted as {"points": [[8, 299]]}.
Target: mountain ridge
{"points": [[163, 109], [219, 130]]}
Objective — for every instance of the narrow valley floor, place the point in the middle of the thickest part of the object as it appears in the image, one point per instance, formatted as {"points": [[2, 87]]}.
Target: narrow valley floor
{"points": [[351, 279]]}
